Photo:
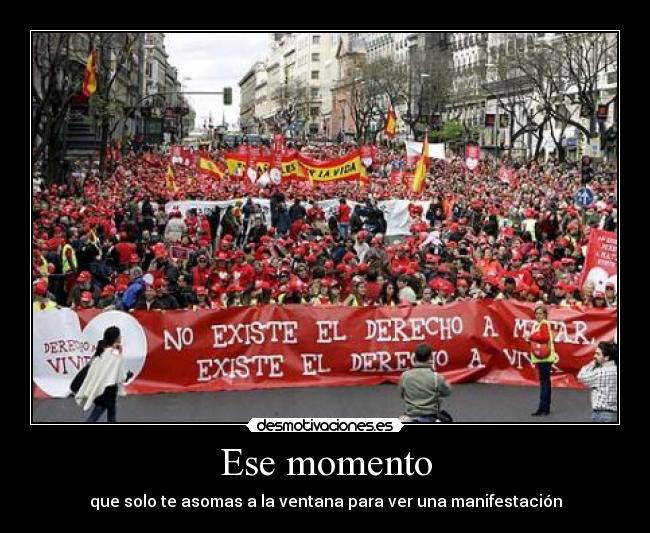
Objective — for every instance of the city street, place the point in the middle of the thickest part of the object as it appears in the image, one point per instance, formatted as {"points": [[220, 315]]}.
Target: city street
{"points": [[472, 403]]}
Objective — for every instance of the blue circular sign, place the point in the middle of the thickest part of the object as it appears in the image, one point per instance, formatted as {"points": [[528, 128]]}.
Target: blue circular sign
{"points": [[584, 197]]}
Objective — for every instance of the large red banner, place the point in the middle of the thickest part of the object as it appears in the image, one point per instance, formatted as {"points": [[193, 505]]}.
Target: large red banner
{"points": [[601, 260], [303, 346]]}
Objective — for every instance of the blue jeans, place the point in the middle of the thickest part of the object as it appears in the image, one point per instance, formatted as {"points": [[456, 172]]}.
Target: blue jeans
{"points": [[604, 416], [98, 410], [544, 370], [344, 229]]}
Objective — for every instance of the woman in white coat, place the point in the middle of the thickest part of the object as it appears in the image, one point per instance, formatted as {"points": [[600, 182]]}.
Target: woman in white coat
{"points": [[105, 379]]}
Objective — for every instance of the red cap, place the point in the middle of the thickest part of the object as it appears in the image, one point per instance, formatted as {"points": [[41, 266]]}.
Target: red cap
{"points": [[40, 288], [610, 285], [599, 294], [295, 286], [108, 290], [271, 231], [123, 236], [363, 267], [227, 238], [362, 235], [201, 291], [234, 288], [134, 259], [121, 286], [159, 283], [84, 276], [329, 264], [86, 296], [462, 282], [222, 256], [160, 253]]}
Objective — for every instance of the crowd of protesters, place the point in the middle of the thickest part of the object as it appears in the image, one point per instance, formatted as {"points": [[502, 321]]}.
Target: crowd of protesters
{"points": [[109, 243]]}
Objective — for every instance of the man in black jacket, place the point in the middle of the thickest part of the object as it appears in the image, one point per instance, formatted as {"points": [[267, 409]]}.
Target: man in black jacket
{"points": [[297, 211], [257, 231], [213, 219]]}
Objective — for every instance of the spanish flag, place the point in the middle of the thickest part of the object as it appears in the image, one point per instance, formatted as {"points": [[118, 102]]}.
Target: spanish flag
{"points": [[391, 123], [90, 75], [210, 167], [421, 168], [170, 182]]}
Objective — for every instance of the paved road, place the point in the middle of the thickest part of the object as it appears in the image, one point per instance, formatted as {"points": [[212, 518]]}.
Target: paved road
{"points": [[469, 403]]}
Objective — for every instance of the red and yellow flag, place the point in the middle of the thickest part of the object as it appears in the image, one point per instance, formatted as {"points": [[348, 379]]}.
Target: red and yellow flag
{"points": [[210, 167], [170, 181], [391, 123], [421, 168], [90, 75]]}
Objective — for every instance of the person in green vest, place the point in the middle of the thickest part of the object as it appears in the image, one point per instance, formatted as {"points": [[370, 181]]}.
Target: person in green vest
{"points": [[543, 355], [41, 301]]}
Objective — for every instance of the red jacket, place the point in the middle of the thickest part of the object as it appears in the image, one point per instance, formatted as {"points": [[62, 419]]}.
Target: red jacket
{"points": [[373, 290], [124, 251], [246, 274], [541, 335], [344, 213], [201, 277]]}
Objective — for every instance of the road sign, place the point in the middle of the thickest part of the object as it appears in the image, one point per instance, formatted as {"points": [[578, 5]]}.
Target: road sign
{"points": [[584, 197]]}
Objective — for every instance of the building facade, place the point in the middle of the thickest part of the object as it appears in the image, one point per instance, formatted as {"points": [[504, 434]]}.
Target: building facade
{"points": [[298, 68], [350, 56], [248, 98]]}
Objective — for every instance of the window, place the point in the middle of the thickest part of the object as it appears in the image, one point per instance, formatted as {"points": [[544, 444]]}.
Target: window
{"points": [[314, 92], [149, 69], [314, 75], [314, 111], [315, 39], [315, 57]]}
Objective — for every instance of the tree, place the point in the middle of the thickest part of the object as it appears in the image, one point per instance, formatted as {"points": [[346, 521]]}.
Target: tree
{"points": [[293, 104], [59, 61], [451, 131], [362, 101], [581, 58], [56, 79], [429, 86], [563, 76], [113, 54], [385, 83], [515, 95]]}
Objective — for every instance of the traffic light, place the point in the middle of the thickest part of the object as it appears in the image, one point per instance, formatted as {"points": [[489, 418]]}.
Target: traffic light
{"points": [[227, 95], [587, 171]]}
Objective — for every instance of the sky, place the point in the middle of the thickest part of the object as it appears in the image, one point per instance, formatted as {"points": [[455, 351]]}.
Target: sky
{"points": [[214, 61]]}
